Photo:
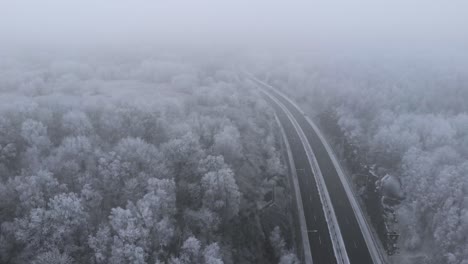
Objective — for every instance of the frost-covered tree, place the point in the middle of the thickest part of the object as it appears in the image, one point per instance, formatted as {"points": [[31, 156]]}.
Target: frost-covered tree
{"points": [[35, 134], [182, 155], [34, 191], [123, 159], [100, 245], [73, 161], [192, 252], [77, 123], [141, 156], [212, 163], [406, 119], [212, 254], [227, 143], [141, 231], [53, 257], [279, 246], [221, 194], [7, 153], [60, 226]]}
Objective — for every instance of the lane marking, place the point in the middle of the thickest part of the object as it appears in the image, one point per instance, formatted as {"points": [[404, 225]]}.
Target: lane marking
{"points": [[300, 207], [340, 250]]}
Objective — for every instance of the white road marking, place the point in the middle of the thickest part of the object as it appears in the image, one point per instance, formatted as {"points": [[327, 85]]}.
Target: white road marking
{"points": [[354, 242], [320, 240]]}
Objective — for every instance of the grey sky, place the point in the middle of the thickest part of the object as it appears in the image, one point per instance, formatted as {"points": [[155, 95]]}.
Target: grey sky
{"points": [[241, 22]]}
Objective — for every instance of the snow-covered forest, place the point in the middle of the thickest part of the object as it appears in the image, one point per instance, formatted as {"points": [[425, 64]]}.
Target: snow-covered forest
{"points": [[402, 120], [138, 159], [136, 132]]}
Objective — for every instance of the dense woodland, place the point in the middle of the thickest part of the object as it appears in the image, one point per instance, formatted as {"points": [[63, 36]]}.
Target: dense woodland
{"points": [[170, 159], [129, 159], [406, 120]]}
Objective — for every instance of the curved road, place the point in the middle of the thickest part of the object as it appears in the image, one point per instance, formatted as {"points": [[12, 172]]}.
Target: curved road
{"points": [[356, 247], [319, 238]]}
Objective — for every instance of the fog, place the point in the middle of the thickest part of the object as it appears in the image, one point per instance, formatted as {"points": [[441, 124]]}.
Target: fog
{"points": [[141, 131], [237, 24]]}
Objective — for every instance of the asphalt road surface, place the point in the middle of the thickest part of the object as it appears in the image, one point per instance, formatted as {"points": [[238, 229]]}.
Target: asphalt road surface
{"points": [[355, 244], [319, 237]]}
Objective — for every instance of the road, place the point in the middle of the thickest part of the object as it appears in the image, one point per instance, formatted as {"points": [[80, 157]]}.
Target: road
{"points": [[356, 247], [319, 237]]}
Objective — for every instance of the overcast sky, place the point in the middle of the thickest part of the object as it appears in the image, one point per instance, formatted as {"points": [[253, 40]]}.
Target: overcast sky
{"points": [[395, 22]]}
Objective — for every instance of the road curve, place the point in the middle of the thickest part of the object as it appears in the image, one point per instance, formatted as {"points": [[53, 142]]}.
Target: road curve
{"points": [[355, 243], [320, 242]]}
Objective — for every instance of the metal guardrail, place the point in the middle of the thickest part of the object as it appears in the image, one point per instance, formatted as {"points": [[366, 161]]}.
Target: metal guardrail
{"points": [[330, 216], [369, 236], [372, 242], [306, 254]]}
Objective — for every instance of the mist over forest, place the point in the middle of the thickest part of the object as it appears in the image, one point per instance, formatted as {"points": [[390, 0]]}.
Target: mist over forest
{"points": [[402, 121], [131, 132]]}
